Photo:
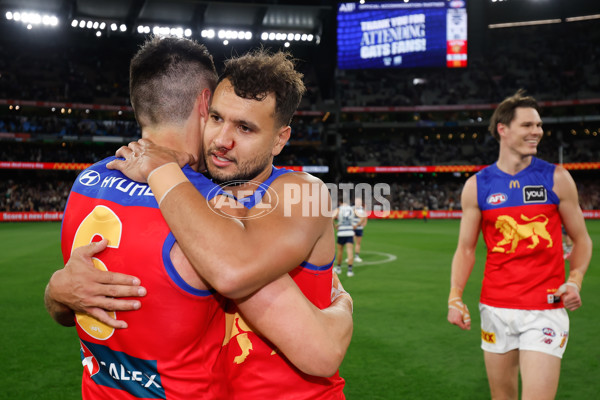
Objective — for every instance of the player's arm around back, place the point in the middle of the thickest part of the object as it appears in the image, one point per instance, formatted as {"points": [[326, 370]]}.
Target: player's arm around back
{"points": [[237, 257], [572, 218], [464, 256], [314, 340]]}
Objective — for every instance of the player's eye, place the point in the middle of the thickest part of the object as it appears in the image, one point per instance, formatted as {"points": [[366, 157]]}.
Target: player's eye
{"points": [[245, 129]]}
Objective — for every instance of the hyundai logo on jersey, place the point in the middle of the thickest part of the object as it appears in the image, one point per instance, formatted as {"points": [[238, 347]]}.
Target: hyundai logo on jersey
{"points": [[121, 371], [89, 178], [496, 199]]}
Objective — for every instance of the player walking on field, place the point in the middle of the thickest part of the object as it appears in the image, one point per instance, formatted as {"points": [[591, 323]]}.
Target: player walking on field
{"points": [[343, 217], [519, 204]]}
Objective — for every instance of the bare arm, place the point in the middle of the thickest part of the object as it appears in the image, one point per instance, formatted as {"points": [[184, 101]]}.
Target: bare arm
{"points": [[255, 252], [58, 311], [284, 316], [79, 287], [464, 257], [235, 257], [572, 219]]}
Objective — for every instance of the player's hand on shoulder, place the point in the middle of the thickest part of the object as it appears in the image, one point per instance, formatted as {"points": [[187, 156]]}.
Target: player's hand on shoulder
{"points": [[140, 158]]}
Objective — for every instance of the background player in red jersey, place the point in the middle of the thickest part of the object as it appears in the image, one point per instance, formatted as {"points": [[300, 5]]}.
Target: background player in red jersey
{"points": [[248, 125], [518, 204], [174, 119]]}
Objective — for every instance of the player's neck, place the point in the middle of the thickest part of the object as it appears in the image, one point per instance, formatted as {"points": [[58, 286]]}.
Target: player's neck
{"points": [[512, 163], [174, 139]]}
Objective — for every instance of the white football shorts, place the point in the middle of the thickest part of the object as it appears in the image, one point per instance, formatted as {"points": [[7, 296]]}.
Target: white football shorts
{"points": [[505, 329]]}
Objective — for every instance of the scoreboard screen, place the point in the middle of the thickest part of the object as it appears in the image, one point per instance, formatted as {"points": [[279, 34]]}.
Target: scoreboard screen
{"points": [[426, 33]]}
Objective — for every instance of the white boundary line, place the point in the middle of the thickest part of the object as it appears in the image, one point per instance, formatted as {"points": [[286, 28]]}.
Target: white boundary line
{"points": [[388, 258]]}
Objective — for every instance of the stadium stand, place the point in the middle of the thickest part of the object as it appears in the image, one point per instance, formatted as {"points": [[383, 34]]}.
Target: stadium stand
{"points": [[348, 118]]}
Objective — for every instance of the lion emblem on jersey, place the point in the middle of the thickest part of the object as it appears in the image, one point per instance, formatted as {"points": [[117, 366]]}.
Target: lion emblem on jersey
{"points": [[514, 232]]}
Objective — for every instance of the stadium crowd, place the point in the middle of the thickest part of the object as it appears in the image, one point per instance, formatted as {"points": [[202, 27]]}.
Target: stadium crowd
{"points": [[48, 191], [552, 62], [461, 147], [552, 69]]}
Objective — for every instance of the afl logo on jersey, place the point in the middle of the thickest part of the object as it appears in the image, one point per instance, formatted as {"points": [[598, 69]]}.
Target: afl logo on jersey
{"points": [[258, 196], [89, 178], [496, 199]]}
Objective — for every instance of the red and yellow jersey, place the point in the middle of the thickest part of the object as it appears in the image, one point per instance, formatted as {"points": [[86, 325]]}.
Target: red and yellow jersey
{"points": [[522, 231], [252, 368], [172, 342]]}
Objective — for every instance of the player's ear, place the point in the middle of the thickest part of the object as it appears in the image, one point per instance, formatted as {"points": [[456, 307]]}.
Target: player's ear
{"points": [[282, 137], [501, 129], [204, 98]]}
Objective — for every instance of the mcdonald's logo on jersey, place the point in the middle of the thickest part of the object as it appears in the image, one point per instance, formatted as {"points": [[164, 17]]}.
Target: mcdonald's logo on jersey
{"points": [[514, 184]]}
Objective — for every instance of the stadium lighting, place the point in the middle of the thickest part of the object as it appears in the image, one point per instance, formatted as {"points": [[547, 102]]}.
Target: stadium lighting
{"points": [[207, 33], [228, 34], [286, 44], [287, 37], [165, 31], [31, 19], [123, 27], [98, 33], [74, 23], [113, 27]]}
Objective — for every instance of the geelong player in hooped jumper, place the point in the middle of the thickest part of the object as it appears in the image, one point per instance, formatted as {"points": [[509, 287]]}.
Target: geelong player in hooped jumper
{"points": [[519, 204]]}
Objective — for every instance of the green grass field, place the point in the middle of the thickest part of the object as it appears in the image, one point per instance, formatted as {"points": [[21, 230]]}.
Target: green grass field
{"points": [[402, 347]]}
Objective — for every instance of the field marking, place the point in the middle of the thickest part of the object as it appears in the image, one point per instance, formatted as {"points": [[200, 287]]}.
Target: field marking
{"points": [[388, 258]]}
